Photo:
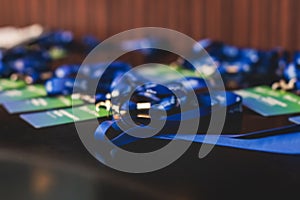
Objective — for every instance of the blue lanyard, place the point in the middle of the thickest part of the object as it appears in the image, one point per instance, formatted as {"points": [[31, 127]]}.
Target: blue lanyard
{"points": [[64, 82], [241, 66], [290, 79], [31, 61], [271, 140], [119, 137]]}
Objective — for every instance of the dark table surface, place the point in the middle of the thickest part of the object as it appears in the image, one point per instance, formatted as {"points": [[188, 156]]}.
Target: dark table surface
{"points": [[52, 163]]}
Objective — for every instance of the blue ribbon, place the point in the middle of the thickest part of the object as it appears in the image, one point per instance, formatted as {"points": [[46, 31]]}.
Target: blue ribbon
{"points": [[288, 142], [108, 128]]}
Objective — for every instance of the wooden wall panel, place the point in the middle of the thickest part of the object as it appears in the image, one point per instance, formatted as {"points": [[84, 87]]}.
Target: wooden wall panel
{"points": [[256, 23]]}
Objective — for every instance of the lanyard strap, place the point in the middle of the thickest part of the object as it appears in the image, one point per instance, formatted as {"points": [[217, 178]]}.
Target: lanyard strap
{"points": [[112, 130]]}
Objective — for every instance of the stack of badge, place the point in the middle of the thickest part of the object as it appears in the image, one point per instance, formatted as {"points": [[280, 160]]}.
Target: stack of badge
{"points": [[65, 90], [30, 63], [69, 85]]}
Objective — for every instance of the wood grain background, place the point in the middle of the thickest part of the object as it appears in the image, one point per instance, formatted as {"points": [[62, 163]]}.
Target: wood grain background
{"points": [[255, 23]]}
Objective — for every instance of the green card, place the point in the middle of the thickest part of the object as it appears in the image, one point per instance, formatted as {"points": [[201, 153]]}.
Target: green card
{"points": [[41, 103], [64, 116], [8, 84], [165, 73], [28, 92], [268, 102]]}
